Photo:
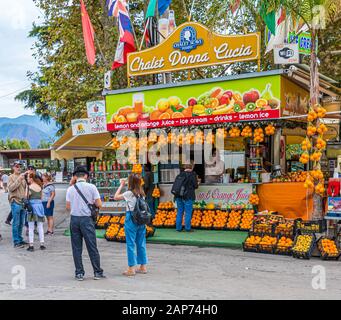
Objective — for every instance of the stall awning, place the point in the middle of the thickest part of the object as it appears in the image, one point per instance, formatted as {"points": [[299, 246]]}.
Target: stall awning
{"points": [[69, 147]]}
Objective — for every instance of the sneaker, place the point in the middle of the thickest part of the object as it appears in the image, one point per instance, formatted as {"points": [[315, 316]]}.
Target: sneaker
{"points": [[42, 247], [18, 245], [24, 243], [36, 231], [99, 276], [30, 249], [79, 277]]}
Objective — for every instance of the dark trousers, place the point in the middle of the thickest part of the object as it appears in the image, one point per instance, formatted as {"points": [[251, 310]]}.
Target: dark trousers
{"points": [[9, 217], [84, 228]]}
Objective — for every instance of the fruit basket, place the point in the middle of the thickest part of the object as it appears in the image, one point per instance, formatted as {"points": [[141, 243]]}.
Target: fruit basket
{"points": [[284, 246], [285, 229], [267, 244], [318, 226], [303, 246], [328, 249], [251, 242], [121, 237], [102, 221], [112, 231]]}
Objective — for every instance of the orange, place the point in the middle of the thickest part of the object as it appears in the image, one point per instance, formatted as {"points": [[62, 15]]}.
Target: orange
{"points": [[120, 119], [124, 111], [165, 115], [155, 115], [132, 117], [187, 112], [177, 115]]}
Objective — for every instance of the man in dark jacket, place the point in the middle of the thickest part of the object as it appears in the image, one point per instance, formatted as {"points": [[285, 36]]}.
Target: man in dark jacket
{"points": [[185, 204]]}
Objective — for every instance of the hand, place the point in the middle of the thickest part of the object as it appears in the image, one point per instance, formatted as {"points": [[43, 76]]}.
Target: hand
{"points": [[22, 176], [48, 205]]}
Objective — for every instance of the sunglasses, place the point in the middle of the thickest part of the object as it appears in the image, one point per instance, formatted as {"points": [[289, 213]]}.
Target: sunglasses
{"points": [[17, 166]]}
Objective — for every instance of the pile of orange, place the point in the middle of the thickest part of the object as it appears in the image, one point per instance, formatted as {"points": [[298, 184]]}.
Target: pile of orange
{"points": [[284, 243], [316, 156], [270, 130], [299, 176], [258, 135], [267, 242], [121, 236], [321, 129], [247, 132], [329, 247], [166, 205], [234, 219], [160, 218], [137, 168], [252, 241], [112, 230], [321, 112], [263, 227], [156, 193], [286, 229], [321, 144], [254, 199], [171, 219], [306, 145], [316, 174], [122, 220], [115, 143], [208, 219], [115, 219], [102, 221], [320, 189], [312, 115], [196, 218], [220, 219], [247, 220], [234, 132], [304, 158]]}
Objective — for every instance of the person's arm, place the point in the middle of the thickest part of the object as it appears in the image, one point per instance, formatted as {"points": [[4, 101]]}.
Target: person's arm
{"points": [[119, 195], [97, 198], [68, 202], [68, 205], [14, 184], [53, 194]]}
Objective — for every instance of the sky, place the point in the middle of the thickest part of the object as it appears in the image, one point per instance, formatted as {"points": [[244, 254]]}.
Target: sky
{"points": [[16, 18]]}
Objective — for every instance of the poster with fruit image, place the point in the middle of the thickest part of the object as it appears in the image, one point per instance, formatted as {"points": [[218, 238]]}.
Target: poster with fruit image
{"points": [[196, 104]]}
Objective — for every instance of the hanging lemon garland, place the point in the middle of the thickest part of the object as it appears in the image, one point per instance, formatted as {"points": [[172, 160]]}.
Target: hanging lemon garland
{"points": [[313, 146]]}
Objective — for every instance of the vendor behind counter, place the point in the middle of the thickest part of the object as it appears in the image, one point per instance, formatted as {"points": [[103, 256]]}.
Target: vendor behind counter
{"points": [[214, 169]]}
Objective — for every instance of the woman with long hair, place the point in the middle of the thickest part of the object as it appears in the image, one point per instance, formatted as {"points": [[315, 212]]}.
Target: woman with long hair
{"points": [[49, 192], [135, 234], [37, 215]]}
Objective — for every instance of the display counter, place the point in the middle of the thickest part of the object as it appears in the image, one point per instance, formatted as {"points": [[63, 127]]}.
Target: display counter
{"points": [[292, 200], [214, 193]]}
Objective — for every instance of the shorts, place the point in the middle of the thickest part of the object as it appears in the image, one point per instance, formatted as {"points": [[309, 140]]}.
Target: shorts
{"points": [[48, 211]]}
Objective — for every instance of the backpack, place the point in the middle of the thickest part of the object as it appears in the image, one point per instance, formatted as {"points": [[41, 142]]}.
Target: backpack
{"points": [[179, 186], [141, 214]]}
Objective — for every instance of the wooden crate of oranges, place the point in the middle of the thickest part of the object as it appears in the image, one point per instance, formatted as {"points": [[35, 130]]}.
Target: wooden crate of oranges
{"points": [[112, 231], [328, 249], [102, 221]]}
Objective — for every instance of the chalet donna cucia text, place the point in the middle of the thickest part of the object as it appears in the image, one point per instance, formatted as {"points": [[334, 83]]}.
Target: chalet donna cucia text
{"points": [[177, 59]]}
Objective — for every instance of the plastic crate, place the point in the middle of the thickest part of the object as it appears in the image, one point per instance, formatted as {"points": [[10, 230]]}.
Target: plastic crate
{"points": [[311, 226], [304, 255], [325, 255], [249, 247], [269, 249]]}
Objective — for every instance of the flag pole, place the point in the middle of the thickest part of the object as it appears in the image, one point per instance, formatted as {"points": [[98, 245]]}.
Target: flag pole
{"points": [[190, 13]]}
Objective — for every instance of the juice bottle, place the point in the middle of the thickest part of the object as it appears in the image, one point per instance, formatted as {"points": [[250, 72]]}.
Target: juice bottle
{"points": [[138, 102], [104, 166]]}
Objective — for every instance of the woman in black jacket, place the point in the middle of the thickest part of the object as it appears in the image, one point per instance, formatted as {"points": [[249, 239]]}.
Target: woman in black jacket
{"points": [[185, 204]]}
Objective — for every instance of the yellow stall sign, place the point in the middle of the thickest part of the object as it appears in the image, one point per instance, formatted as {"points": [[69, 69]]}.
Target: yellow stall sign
{"points": [[192, 45]]}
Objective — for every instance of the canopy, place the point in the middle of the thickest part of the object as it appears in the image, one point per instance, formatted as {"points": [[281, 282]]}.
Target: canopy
{"points": [[69, 147]]}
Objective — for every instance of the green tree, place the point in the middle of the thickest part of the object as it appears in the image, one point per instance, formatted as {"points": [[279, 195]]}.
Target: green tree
{"points": [[43, 144], [14, 144]]}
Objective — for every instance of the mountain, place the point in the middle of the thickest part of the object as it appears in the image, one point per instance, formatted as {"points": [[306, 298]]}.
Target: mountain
{"points": [[27, 127]]}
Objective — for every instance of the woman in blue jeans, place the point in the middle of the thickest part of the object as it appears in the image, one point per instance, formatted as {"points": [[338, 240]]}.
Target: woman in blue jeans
{"points": [[185, 204], [135, 234]]}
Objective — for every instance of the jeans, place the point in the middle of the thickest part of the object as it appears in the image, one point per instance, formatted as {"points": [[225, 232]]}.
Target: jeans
{"points": [[18, 214], [84, 228], [187, 207], [135, 242]]}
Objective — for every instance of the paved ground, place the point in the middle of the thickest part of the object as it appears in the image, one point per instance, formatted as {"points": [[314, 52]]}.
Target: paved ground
{"points": [[176, 272]]}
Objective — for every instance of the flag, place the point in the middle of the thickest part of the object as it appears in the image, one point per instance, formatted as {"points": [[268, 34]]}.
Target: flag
{"points": [[115, 6], [126, 42], [88, 35], [234, 5], [163, 6], [280, 34], [151, 24], [268, 17]]}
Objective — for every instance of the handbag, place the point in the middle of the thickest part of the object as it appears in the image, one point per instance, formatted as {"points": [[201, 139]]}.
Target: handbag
{"points": [[26, 202], [93, 209]]}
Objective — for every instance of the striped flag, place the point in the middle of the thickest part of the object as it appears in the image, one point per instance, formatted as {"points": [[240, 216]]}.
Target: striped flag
{"points": [[115, 6], [234, 5], [278, 37], [126, 43]]}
